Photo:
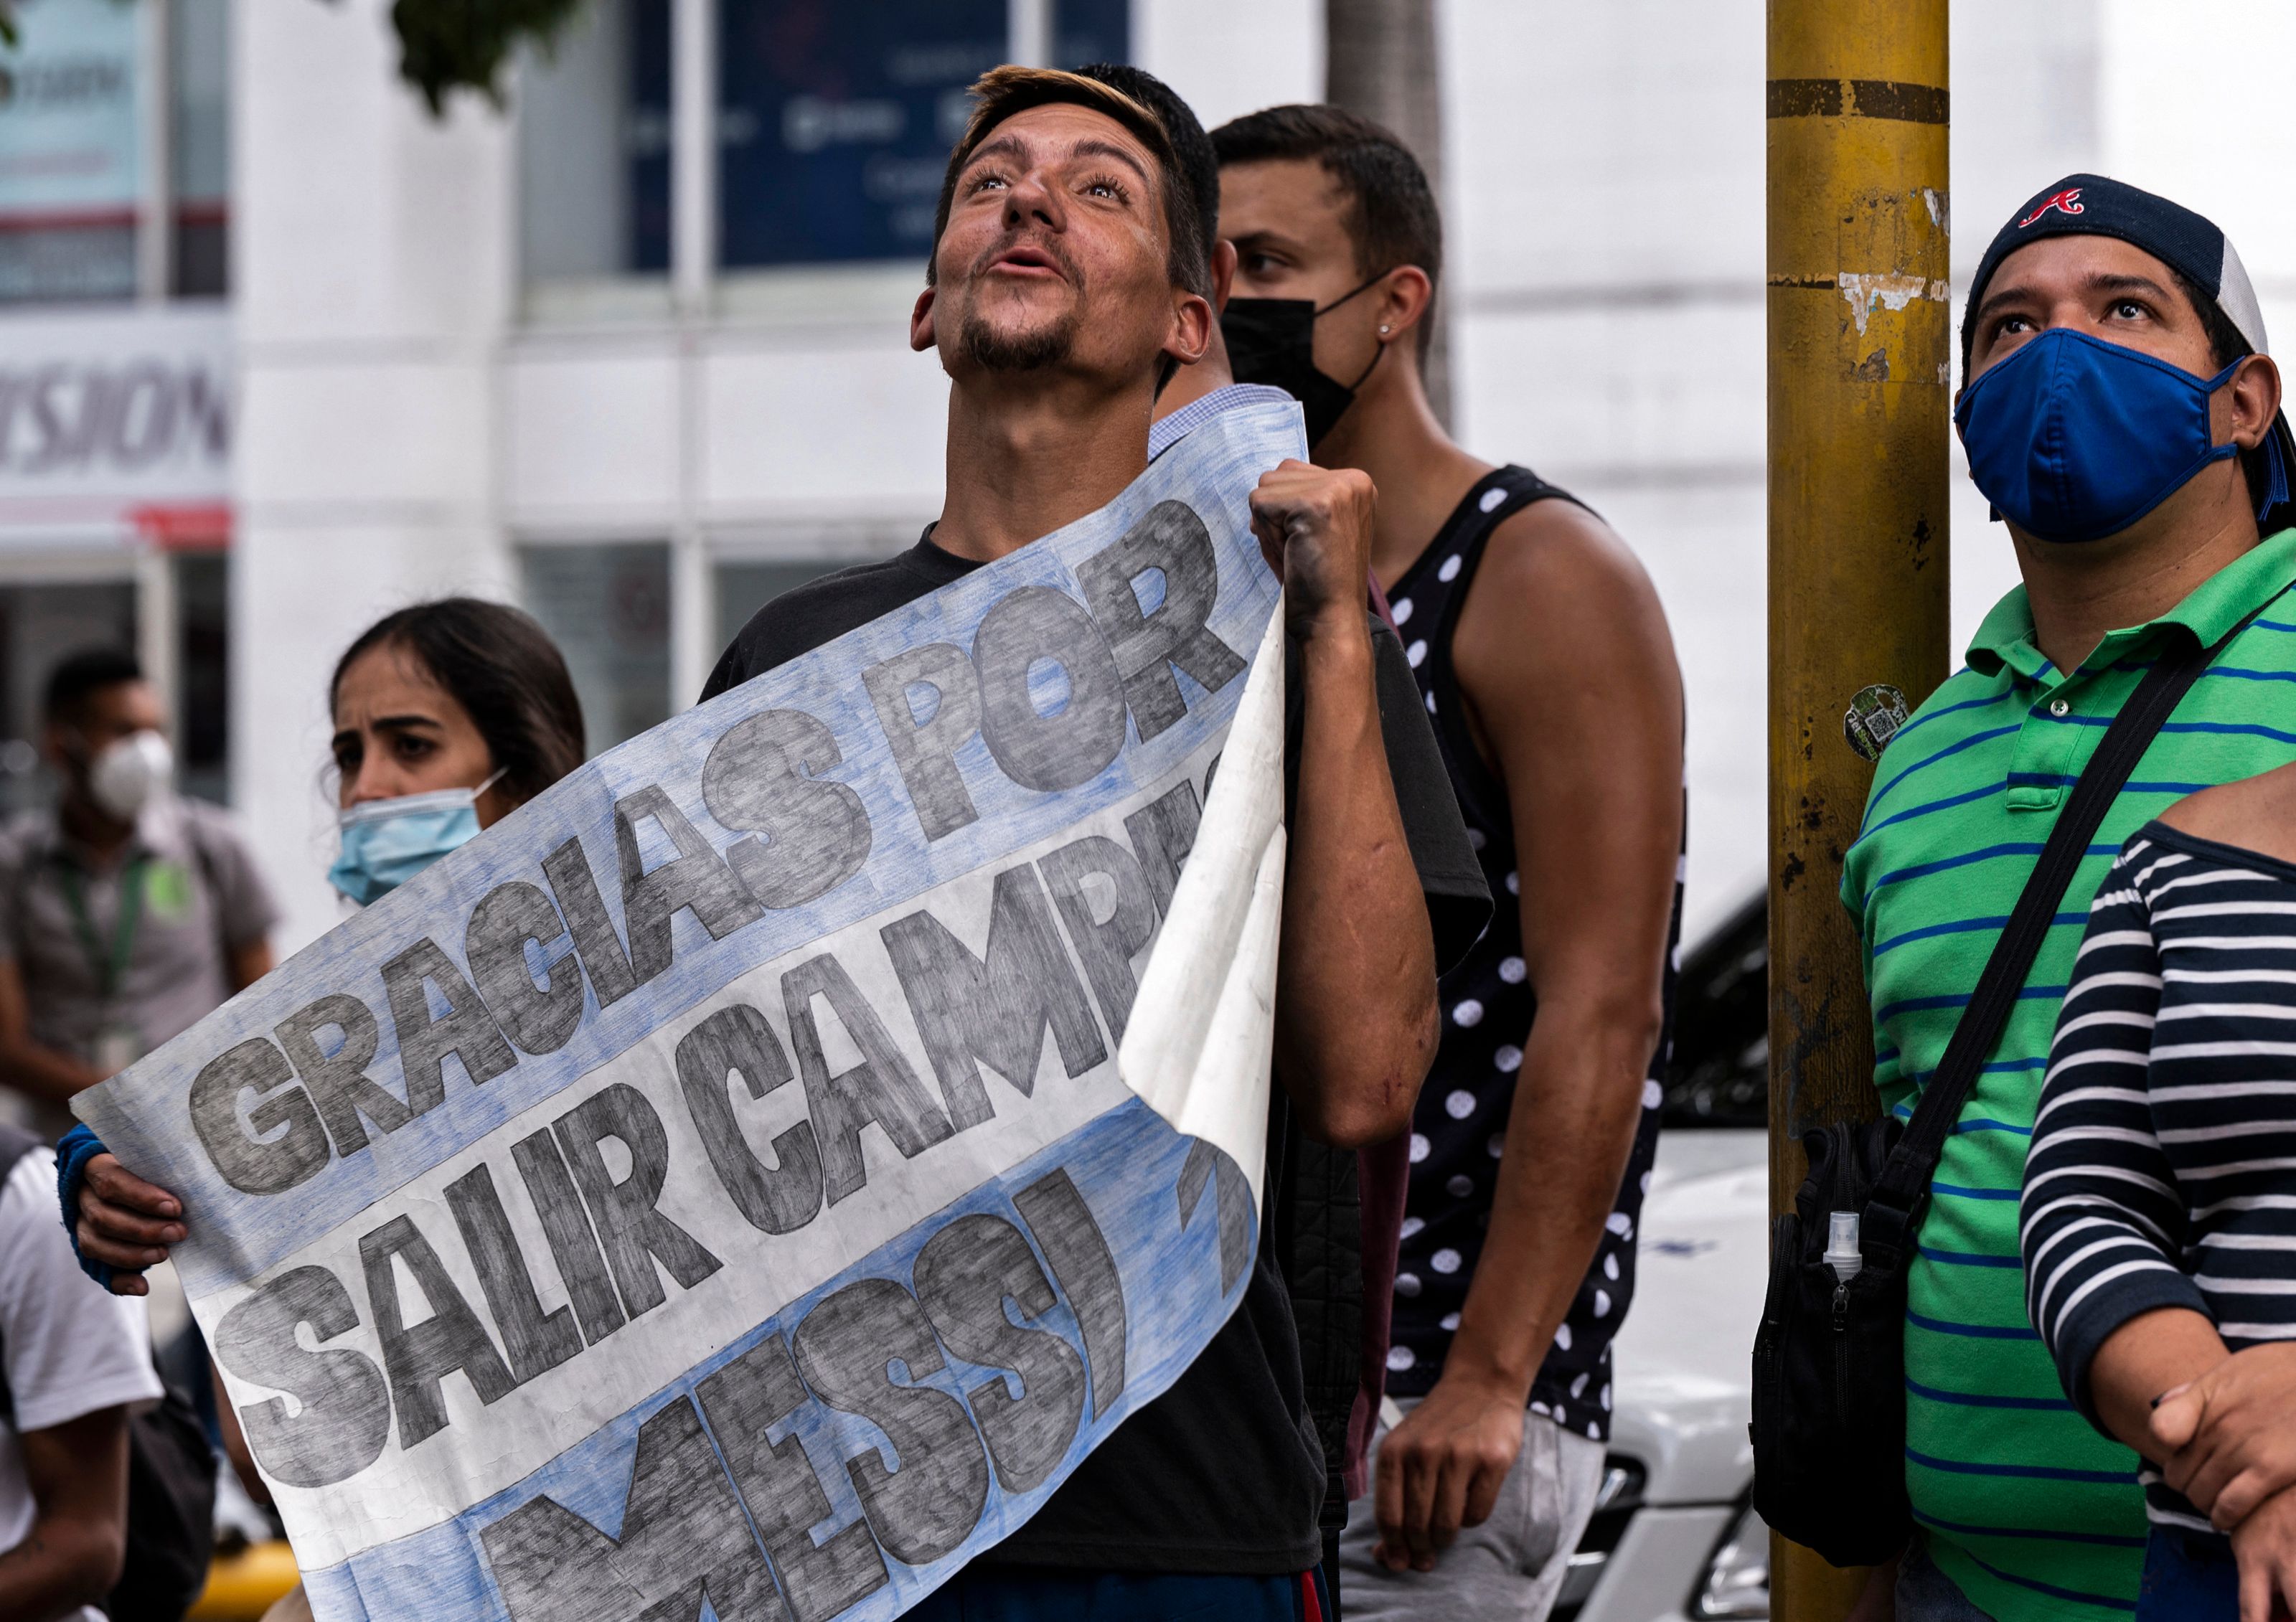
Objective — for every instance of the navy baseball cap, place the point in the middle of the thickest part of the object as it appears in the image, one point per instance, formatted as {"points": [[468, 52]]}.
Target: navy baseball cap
{"points": [[2189, 244]]}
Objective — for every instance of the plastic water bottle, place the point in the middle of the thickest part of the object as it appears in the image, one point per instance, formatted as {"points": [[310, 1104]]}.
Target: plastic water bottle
{"points": [[1841, 1252]]}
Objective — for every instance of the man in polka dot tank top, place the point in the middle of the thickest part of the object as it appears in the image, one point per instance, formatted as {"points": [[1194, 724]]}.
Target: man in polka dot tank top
{"points": [[1547, 669]]}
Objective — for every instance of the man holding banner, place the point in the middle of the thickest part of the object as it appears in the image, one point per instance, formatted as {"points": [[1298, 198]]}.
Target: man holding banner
{"points": [[1049, 406], [586, 1312]]}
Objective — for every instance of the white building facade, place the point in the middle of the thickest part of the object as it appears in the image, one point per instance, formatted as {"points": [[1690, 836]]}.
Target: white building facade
{"points": [[116, 365], [633, 351]]}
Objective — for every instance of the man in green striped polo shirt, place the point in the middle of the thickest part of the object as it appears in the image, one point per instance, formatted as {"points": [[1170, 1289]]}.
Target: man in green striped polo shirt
{"points": [[2140, 464]]}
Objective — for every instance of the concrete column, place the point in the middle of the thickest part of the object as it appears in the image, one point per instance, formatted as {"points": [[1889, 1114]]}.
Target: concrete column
{"points": [[372, 260]]}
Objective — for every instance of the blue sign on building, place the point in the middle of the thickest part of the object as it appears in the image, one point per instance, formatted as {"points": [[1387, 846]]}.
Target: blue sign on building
{"points": [[836, 117]]}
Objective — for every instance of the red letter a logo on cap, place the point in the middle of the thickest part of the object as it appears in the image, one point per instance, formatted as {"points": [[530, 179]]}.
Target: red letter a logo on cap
{"points": [[2067, 202]]}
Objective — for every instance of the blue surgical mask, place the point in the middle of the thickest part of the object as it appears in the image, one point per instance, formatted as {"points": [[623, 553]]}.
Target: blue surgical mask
{"points": [[386, 842], [2073, 438]]}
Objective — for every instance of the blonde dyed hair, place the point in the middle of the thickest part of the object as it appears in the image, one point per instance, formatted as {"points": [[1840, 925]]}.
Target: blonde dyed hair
{"points": [[1001, 93]]}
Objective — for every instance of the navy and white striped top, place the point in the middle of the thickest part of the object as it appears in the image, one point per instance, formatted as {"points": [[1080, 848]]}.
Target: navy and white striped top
{"points": [[2163, 1164]]}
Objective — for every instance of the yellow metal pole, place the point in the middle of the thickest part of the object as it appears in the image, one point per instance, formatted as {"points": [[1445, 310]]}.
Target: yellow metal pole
{"points": [[1860, 377]]}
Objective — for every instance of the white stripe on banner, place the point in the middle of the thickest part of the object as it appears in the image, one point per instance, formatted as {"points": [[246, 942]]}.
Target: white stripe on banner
{"points": [[720, 1178]]}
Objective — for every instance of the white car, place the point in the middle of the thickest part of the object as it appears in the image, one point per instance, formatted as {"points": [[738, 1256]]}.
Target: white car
{"points": [[1675, 1538]]}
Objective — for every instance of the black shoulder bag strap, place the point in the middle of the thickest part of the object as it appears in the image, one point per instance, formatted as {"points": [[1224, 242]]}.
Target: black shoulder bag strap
{"points": [[1894, 1211]]}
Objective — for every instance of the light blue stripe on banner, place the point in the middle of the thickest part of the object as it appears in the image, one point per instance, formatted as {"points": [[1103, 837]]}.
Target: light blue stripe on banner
{"points": [[1125, 1164], [144, 1114]]}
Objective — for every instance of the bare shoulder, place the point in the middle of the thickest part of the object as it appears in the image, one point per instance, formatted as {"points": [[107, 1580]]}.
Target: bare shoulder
{"points": [[1557, 548], [2255, 814], [1558, 588]]}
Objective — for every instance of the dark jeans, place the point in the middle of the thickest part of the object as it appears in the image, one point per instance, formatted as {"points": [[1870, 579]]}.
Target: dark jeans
{"points": [[2188, 1578], [1014, 1594]]}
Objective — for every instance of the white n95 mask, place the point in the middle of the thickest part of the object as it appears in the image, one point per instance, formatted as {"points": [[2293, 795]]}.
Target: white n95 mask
{"points": [[130, 774]]}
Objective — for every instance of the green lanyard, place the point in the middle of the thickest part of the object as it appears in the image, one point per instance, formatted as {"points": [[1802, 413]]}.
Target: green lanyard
{"points": [[108, 972]]}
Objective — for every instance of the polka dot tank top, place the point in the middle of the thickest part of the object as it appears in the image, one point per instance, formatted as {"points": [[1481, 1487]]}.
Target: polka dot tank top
{"points": [[1459, 1128]]}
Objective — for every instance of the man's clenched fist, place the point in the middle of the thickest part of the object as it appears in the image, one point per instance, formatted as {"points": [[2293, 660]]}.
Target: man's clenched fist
{"points": [[1313, 526]]}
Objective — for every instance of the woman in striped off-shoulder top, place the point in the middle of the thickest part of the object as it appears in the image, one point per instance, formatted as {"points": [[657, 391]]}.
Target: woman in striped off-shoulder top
{"points": [[2159, 1223]]}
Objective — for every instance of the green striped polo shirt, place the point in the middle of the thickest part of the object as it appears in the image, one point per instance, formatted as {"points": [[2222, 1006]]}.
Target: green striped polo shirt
{"points": [[2032, 1513]]}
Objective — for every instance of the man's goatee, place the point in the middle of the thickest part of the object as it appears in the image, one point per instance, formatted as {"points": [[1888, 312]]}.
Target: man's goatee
{"points": [[993, 351]]}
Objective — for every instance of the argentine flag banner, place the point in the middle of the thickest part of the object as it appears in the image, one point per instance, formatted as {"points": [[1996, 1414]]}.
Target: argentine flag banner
{"points": [[756, 1173]]}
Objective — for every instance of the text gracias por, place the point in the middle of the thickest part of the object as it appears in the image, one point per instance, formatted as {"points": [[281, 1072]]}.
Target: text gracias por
{"points": [[273, 1112]]}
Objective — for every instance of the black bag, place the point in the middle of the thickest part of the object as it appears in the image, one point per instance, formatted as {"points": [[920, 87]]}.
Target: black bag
{"points": [[171, 1490], [1829, 1395], [171, 1487]]}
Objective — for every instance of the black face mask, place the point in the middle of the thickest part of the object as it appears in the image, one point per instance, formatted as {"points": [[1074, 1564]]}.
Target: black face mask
{"points": [[1273, 341]]}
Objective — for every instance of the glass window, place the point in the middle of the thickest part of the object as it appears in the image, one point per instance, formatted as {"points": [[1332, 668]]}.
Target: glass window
{"points": [[744, 586], [1088, 31], [835, 119], [608, 609], [199, 116], [202, 668], [69, 153], [594, 146]]}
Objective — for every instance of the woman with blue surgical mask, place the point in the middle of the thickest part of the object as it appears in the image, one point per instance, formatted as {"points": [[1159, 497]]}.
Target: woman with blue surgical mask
{"points": [[449, 716]]}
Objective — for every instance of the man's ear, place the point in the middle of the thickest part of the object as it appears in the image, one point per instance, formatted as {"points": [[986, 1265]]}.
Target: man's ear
{"points": [[1404, 294], [1223, 273], [1191, 336], [920, 322], [2255, 394]]}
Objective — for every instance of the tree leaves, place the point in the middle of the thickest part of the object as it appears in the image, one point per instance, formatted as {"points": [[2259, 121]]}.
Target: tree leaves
{"points": [[444, 45]]}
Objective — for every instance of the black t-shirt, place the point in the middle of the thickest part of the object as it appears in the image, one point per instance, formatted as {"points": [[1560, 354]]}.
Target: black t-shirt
{"points": [[1223, 1473]]}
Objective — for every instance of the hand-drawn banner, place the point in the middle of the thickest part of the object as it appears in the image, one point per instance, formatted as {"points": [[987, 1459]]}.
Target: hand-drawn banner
{"points": [[720, 1180]]}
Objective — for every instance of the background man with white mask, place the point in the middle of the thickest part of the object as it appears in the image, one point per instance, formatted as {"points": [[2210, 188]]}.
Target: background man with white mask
{"points": [[127, 914]]}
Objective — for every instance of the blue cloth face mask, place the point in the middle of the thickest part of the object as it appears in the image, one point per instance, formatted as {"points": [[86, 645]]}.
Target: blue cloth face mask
{"points": [[386, 842], [2073, 438]]}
